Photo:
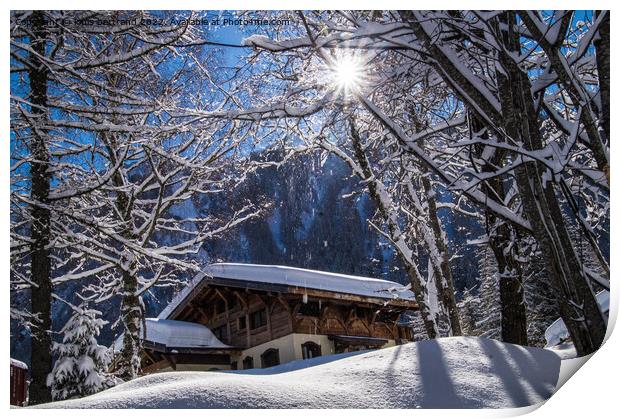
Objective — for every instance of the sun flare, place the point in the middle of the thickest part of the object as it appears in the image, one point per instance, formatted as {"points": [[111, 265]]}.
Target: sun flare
{"points": [[348, 74]]}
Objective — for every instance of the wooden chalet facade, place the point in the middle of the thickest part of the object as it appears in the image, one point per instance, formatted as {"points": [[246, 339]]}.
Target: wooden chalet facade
{"points": [[261, 316]]}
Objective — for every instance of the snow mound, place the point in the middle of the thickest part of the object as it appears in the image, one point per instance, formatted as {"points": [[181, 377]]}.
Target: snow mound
{"points": [[295, 277], [445, 373], [557, 333], [297, 364]]}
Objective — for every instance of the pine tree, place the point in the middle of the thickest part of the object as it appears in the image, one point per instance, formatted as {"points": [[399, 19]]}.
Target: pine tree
{"points": [[540, 299], [490, 323], [470, 311], [484, 309], [81, 365]]}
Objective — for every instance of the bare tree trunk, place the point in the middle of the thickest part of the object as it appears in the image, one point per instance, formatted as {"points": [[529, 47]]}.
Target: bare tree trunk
{"points": [[440, 261], [578, 305], [447, 292], [41, 292], [602, 63], [128, 365], [417, 285], [501, 241], [519, 120], [131, 316]]}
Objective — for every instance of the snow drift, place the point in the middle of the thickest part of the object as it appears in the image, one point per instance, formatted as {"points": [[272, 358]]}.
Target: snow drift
{"points": [[445, 373]]}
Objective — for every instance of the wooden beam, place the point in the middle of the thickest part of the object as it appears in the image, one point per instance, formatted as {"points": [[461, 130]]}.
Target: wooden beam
{"points": [[389, 329], [364, 320], [296, 307], [266, 287], [284, 303], [342, 320], [272, 305], [351, 316], [395, 331], [244, 302], [228, 329], [171, 360], [374, 317], [191, 300], [323, 317], [148, 356], [157, 366], [269, 332], [288, 309], [221, 295], [247, 327], [262, 299], [204, 294]]}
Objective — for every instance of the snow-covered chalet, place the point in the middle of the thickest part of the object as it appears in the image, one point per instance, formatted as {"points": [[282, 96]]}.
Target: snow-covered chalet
{"points": [[242, 316]]}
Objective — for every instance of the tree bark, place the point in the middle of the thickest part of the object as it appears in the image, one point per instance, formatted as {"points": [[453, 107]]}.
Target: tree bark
{"points": [[602, 46], [131, 316], [501, 241], [129, 364], [447, 292], [578, 306], [41, 292], [417, 285], [441, 267], [518, 119]]}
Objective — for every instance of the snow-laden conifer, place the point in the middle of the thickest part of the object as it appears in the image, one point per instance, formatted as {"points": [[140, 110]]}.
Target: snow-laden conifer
{"points": [[81, 366]]}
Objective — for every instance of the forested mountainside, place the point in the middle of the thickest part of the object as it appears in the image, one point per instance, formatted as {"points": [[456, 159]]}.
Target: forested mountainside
{"points": [[318, 219]]}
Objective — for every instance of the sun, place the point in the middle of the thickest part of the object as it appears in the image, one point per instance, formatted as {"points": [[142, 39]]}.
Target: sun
{"points": [[347, 74]]}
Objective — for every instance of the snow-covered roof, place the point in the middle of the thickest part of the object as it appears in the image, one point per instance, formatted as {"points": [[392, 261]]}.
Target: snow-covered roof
{"points": [[178, 334], [19, 364], [297, 278], [557, 332]]}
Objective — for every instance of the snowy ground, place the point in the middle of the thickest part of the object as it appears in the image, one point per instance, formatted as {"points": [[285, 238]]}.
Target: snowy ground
{"points": [[445, 373]]}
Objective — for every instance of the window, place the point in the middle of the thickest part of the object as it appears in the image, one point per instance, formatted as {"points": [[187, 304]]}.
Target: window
{"points": [[270, 358], [310, 350], [241, 323], [258, 319], [248, 363]]}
